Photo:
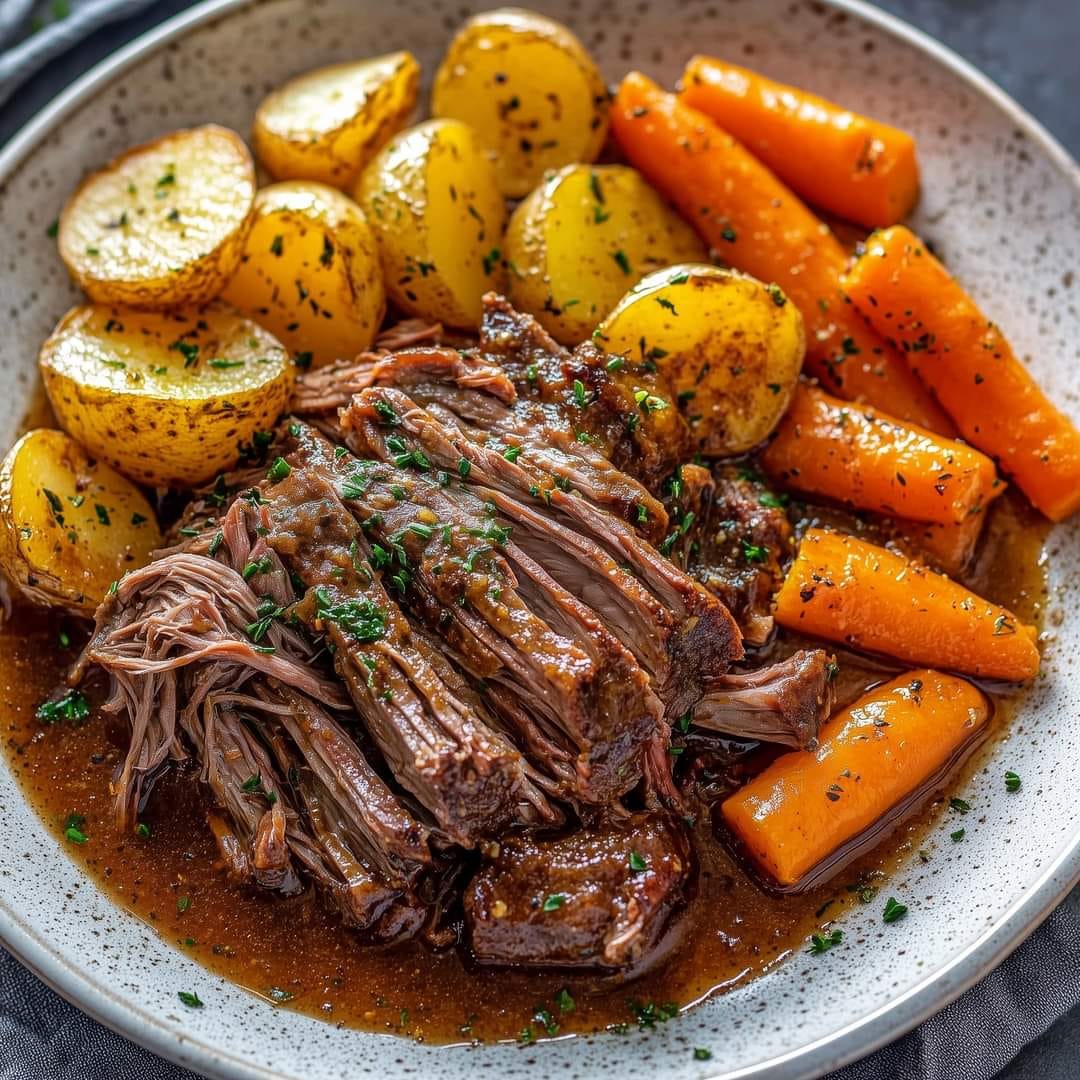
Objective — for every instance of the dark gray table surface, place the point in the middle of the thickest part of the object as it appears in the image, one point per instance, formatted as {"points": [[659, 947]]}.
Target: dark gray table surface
{"points": [[1029, 48]]}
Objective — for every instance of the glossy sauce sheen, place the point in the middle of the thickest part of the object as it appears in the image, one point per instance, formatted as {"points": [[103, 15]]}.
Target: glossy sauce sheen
{"points": [[729, 932]]}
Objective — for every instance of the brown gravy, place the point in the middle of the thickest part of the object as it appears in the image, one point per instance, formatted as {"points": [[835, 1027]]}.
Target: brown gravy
{"points": [[173, 880]]}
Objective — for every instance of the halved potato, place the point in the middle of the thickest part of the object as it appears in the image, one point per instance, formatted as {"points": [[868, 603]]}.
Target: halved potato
{"points": [[432, 198], [529, 89], [165, 397], [730, 348], [69, 525], [576, 243], [327, 124], [164, 223], [310, 272]]}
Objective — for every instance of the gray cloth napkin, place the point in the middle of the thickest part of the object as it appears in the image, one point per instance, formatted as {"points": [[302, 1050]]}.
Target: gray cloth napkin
{"points": [[32, 32], [44, 1038]]}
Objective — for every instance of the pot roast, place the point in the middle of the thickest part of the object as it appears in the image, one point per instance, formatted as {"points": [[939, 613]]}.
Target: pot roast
{"points": [[440, 659]]}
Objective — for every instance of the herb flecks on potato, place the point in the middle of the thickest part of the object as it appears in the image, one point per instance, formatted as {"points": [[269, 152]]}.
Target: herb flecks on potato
{"points": [[310, 272], [526, 85], [432, 197], [164, 223], [69, 525], [730, 348], [167, 398], [327, 124], [581, 238]]}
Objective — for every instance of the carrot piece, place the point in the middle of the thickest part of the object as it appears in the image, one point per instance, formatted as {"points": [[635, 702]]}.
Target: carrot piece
{"points": [[758, 226], [802, 818], [850, 165], [844, 589], [909, 297], [859, 456], [948, 547]]}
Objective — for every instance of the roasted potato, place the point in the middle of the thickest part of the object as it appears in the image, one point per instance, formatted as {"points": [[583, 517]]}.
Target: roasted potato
{"points": [[432, 198], [310, 272], [528, 89], [165, 397], [576, 243], [69, 525], [163, 224], [328, 124], [729, 346]]}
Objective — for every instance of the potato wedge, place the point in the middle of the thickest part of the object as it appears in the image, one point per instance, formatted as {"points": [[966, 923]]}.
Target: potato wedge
{"points": [[310, 272], [576, 243], [433, 200], [165, 397], [327, 124], [729, 346], [526, 85], [163, 224], [69, 525]]}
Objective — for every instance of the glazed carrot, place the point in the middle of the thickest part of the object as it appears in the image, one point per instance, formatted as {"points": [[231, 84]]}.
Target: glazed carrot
{"points": [[857, 455], [844, 589], [908, 296], [948, 547], [803, 817], [856, 168], [757, 225]]}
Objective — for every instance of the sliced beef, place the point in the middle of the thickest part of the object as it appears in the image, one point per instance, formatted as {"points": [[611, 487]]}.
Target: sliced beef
{"points": [[329, 388], [506, 620], [195, 660], [784, 703], [623, 403], [594, 899], [282, 814], [468, 392], [675, 628], [438, 743], [743, 540]]}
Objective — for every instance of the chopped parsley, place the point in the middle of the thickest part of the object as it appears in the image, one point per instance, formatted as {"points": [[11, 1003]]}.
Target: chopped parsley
{"points": [[554, 902], [279, 470], [893, 910], [190, 1000], [822, 943], [361, 619], [72, 708], [1012, 782]]}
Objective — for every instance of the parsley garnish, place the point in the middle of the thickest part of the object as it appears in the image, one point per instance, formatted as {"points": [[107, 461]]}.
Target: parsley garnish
{"points": [[72, 708], [893, 910], [822, 943]]}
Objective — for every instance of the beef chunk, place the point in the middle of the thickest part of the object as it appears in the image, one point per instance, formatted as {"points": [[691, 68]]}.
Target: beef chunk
{"points": [[785, 703], [675, 628], [743, 540], [542, 655], [625, 406], [593, 899], [437, 741]]}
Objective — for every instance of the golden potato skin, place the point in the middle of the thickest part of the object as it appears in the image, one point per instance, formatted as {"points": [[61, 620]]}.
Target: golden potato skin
{"points": [[432, 197], [165, 397], [730, 348], [576, 243], [164, 223], [526, 85], [310, 272], [327, 124], [69, 525]]}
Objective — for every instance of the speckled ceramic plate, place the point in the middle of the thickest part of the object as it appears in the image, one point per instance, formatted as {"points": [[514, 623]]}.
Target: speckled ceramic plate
{"points": [[1003, 202]]}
